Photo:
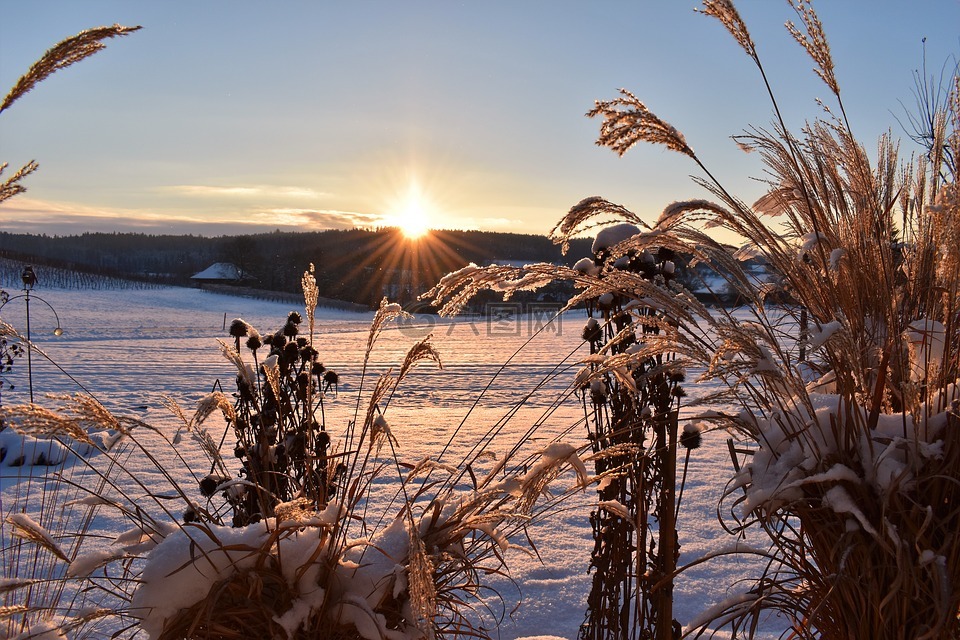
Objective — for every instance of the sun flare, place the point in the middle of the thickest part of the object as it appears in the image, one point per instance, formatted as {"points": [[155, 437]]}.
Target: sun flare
{"points": [[412, 215], [414, 222]]}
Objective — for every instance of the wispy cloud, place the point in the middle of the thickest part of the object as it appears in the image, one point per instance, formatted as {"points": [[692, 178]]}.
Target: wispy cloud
{"points": [[27, 215], [244, 191], [24, 210], [319, 218]]}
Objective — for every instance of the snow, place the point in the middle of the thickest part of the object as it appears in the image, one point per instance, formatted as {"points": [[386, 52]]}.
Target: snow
{"points": [[926, 339], [47, 630], [819, 335], [87, 563], [613, 235], [835, 257], [187, 563], [798, 441], [17, 449], [219, 271], [586, 266], [809, 242], [131, 347]]}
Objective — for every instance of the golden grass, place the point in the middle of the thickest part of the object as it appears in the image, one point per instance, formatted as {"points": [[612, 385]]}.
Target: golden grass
{"points": [[865, 250], [313, 488], [62, 55], [450, 540]]}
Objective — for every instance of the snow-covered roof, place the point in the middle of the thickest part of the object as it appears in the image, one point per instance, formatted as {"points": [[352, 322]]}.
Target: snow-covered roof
{"points": [[219, 271]]}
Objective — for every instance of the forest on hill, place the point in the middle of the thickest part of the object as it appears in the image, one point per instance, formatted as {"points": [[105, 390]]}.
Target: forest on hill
{"points": [[356, 265]]}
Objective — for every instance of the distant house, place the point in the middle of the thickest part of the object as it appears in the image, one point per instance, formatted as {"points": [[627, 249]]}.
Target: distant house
{"points": [[221, 273], [710, 285]]}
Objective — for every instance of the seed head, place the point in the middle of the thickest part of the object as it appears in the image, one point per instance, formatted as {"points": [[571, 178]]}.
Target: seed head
{"points": [[209, 484], [331, 378], [321, 441], [254, 341], [239, 328], [627, 121], [691, 437], [592, 331]]}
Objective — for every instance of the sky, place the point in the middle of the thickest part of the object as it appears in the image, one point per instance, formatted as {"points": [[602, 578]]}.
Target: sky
{"points": [[223, 118]]}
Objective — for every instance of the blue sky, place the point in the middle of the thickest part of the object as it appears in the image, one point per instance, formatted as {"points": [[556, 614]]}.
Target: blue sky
{"points": [[233, 117]]}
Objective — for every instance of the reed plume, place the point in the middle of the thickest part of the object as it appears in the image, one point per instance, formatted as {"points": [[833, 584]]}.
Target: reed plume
{"points": [[844, 368], [62, 55]]}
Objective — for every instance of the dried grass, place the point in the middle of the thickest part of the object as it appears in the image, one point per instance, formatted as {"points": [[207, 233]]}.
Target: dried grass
{"points": [[62, 55], [52, 584], [306, 543], [865, 309], [865, 249]]}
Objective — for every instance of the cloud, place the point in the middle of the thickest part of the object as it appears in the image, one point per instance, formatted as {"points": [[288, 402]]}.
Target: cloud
{"points": [[28, 212], [26, 215], [248, 191], [320, 218]]}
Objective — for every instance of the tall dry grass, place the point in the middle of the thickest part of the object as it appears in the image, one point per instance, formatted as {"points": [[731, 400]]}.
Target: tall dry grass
{"points": [[32, 559], [855, 479], [65, 53], [115, 533], [631, 400], [345, 536]]}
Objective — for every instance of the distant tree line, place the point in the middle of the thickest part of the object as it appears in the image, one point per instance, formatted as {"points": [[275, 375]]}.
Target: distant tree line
{"points": [[356, 265]]}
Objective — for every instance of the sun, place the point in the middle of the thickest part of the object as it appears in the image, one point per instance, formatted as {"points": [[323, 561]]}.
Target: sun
{"points": [[413, 221], [411, 215]]}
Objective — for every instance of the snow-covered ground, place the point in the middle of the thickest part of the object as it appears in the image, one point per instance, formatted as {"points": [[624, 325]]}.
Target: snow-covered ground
{"points": [[130, 347]]}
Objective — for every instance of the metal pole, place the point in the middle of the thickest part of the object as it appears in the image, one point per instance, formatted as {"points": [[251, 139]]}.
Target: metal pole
{"points": [[29, 347]]}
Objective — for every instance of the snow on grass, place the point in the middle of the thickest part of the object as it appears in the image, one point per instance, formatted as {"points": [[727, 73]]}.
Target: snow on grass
{"points": [[131, 347]]}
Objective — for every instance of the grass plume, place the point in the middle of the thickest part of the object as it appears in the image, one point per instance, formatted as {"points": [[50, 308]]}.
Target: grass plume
{"points": [[62, 55]]}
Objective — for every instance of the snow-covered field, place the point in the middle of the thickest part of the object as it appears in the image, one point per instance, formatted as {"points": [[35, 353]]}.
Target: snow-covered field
{"points": [[130, 347]]}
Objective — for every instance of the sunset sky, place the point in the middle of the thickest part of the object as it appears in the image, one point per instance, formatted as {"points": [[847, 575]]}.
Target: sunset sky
{"points": [[240, 117]]}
